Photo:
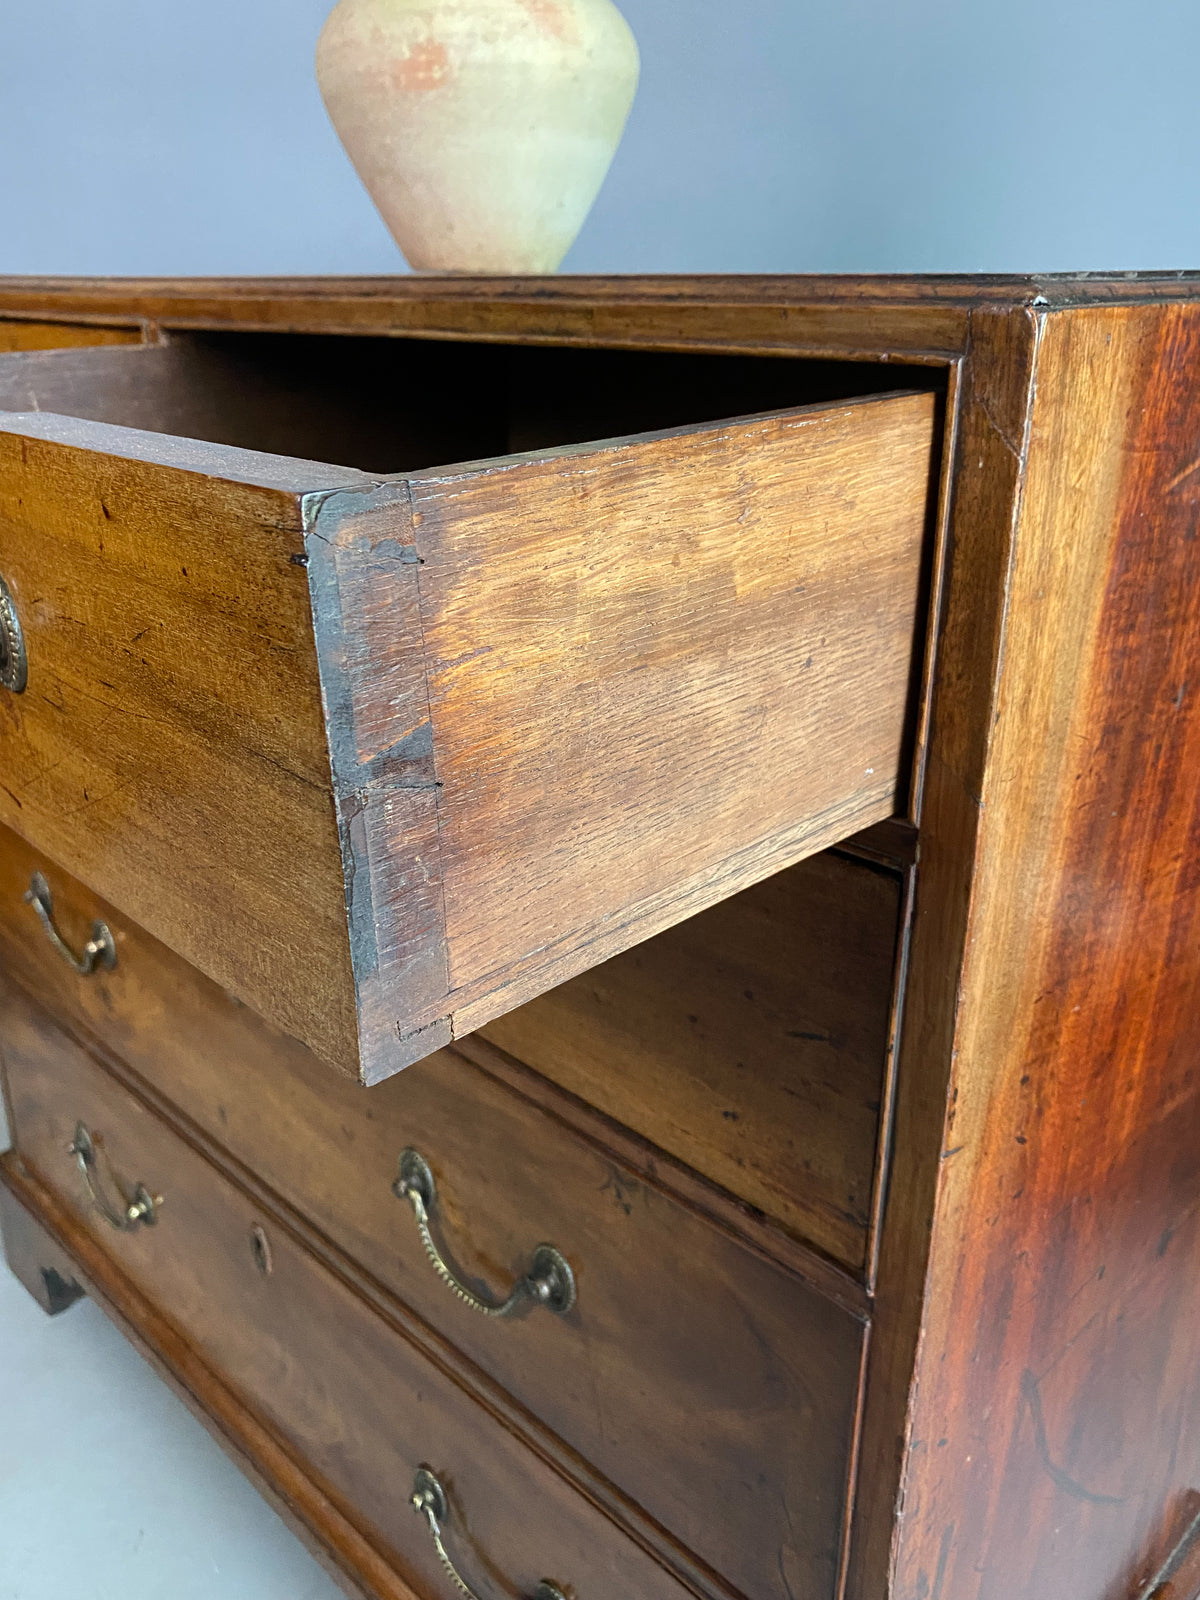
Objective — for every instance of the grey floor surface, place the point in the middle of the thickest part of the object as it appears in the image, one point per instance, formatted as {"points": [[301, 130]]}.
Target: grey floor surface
{"points": [[110, 1489]]}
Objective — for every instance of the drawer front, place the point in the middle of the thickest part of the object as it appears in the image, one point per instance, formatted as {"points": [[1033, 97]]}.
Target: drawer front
{"points": [[435, 744], [750, 1042], [169, 746], [355, 1400], [673, 1320]]}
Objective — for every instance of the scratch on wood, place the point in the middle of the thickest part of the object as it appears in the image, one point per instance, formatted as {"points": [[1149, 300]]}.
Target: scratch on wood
{"points": [[1032, 1396], [1180, 476], [939, 1577], [996, 428]]}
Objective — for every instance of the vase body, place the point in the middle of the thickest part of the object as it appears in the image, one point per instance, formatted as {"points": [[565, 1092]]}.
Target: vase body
{"points": [[482, 129]]}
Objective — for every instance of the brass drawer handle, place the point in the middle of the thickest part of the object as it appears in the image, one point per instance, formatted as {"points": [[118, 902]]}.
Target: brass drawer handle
{"points": [[549, 1281], [429, 1499], [130, 1214], [14, 665], [99, 951]]}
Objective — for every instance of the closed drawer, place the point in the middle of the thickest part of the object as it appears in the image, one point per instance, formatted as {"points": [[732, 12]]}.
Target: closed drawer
{"points": [[715, 1389], [750, 1042], [387, 756], [361, 1407]]}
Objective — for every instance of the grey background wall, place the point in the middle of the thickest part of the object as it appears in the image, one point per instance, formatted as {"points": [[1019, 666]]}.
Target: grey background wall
{"points": [[148, 136]]}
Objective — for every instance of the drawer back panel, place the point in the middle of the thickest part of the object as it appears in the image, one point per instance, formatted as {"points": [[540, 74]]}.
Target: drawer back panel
{"points": [[28, 334], [394, 405]]}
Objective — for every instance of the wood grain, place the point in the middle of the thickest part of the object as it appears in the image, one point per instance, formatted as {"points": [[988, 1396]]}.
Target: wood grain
{"points": [[391, 405], [749, 1041], [616, 711], [341, 1386], [169, 748], [773, 1364], [782, 315], [1066, 1237], [1031, 1404], [492, 846], [161, 1017]]}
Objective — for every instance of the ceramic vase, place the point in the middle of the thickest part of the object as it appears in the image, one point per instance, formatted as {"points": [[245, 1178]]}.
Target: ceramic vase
{"points": [[482, 129]]}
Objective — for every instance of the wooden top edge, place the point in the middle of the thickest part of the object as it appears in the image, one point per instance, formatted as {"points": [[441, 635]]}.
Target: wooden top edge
{"points": [[850, 289], [920, 320]]}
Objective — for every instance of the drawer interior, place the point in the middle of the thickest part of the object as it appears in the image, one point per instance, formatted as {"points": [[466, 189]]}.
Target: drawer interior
{"points": [[400, 405], [750, 1042]]}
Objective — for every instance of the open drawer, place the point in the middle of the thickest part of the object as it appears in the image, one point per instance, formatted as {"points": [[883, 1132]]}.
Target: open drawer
{"points": [[388, 752]]}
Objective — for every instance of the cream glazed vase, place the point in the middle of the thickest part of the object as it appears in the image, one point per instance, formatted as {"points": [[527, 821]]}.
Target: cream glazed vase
{"points": [[482, 129]]}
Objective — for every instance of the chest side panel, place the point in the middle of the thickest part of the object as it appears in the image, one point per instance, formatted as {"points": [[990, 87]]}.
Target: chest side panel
{"points": [[1057, 1415]]}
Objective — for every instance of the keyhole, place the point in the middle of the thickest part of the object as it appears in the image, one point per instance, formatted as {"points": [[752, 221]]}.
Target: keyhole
{"points": [[260, 1249]]}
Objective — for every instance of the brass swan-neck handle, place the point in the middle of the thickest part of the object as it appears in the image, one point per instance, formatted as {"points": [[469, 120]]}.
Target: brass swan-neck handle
{"points": [[549, 1281], [140, 1208], [428, 1499], [99, 951]]}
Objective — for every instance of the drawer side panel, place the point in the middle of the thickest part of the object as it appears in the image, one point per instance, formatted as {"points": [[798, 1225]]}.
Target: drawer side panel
{"points": [[657, 670]]}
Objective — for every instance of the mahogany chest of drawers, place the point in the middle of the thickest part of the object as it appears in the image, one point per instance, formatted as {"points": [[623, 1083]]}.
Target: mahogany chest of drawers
{"points": [[598, 914]]}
